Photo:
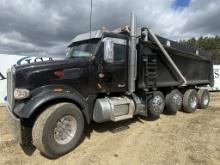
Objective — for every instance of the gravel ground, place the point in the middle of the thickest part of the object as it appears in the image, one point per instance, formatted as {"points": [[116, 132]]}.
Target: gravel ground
{"points": [[179, 139]]}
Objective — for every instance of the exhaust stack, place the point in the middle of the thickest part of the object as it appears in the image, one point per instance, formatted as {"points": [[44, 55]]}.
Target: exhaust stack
{"points": [[132, 59]]}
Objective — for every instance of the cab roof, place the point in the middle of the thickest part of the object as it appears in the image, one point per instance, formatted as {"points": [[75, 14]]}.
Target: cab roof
{"points": [[86, 36]]}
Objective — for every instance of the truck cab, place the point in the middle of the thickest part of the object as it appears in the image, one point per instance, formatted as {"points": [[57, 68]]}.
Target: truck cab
{"points": [[109, 59]]}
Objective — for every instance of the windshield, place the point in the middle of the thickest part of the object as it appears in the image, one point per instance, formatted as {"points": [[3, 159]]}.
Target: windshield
{"points": [[82, 49]]}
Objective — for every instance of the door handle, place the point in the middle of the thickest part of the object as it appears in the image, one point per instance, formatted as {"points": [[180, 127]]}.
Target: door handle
{"points": [[121, 85]]}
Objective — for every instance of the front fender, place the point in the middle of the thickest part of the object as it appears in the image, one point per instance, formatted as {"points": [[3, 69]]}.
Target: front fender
{"points": [[47, 94]]}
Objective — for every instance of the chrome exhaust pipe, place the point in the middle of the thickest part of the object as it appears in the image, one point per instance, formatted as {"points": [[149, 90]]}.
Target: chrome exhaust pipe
{"points": [[132, 59]]}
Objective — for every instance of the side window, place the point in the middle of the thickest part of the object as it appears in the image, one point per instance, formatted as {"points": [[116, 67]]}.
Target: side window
{"points": [[115, 50], [119, 53]]}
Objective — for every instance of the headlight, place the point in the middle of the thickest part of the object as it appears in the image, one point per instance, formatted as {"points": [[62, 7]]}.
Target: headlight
{"points": [[20, 94]]}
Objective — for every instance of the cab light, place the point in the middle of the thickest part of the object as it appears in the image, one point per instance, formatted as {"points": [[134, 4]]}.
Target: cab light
{"points": [[20, 94]]}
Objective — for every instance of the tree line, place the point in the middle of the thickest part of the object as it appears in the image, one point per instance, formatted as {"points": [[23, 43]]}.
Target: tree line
{"points": [[209, 44]]}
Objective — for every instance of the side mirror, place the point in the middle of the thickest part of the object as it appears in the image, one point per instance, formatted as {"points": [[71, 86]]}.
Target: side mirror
{"points": [[108, 50]]}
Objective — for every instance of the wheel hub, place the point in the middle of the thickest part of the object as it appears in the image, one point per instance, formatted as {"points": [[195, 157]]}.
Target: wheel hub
{"points": [[205, 99], [177, 100], [193, 101], [157, 103], [65, 129]]}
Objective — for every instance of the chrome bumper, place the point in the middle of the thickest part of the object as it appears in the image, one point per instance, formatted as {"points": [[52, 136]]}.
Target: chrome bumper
{"points": [[14, 125]]}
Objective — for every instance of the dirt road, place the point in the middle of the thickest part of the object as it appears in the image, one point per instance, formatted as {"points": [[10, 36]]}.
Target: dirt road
{"points": [[180, 139]]}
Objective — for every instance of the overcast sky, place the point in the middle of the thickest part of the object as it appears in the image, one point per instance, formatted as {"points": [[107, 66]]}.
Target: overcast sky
{"points": [[44, 27]]}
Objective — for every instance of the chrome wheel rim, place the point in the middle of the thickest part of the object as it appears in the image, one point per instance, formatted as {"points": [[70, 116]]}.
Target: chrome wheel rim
{"points": [[193, 102], [205, 99], [65, 129], [158, 104], [177, 99]]}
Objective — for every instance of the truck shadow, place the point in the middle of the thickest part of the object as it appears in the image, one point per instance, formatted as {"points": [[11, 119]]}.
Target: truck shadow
{"points": [[114, 127]]}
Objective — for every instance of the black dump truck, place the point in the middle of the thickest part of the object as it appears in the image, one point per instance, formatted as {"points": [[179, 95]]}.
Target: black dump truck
{"points": [[106, 76]]}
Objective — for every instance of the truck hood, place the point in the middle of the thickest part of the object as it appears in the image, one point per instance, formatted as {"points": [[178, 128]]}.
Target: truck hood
{"points": [[44, 73], [53, 64]]}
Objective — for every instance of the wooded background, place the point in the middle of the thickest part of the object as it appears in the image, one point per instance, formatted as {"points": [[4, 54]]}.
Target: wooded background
{"points": [[209, 44]]}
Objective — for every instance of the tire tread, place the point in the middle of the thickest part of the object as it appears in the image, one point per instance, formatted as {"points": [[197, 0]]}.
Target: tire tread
{"points": [[38, 129]]}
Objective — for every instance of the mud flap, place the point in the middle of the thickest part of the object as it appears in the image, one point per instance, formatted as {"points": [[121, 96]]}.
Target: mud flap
{"points": [[14, 125]]}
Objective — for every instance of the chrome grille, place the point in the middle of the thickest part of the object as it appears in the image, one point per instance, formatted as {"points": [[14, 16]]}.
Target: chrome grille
{"points": [[10, 87]]}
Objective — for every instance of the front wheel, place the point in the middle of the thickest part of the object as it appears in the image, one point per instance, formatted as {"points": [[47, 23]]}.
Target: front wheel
{"points": [[58, 129]]}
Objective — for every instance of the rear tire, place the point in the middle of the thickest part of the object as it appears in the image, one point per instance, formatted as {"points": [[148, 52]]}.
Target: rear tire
{"points": [[174, 101], [190, 101], [203, 98], [58, 129], [156, 104]]}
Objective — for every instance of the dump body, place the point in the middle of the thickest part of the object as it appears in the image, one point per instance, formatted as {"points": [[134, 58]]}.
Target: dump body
{"points": [[197, 69]]}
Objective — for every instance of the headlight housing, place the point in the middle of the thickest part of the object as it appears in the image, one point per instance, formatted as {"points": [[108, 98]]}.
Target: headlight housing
{"points": [[20, 94]]}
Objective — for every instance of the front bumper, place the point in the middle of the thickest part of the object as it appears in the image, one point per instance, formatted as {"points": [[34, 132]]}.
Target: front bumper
{"points": [[14, 125]]}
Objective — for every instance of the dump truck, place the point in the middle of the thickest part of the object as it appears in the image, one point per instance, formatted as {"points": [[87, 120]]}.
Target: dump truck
{"points": [[106, 76]]}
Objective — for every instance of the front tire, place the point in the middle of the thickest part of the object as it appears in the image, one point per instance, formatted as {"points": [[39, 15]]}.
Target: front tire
{"points": [[58, 129]]}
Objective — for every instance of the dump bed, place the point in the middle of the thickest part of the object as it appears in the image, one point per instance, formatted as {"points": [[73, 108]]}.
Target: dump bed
{"points": [[154, 68]]}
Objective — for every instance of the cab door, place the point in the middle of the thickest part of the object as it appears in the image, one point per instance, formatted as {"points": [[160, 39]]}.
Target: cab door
{"points": [[115, 64]]}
